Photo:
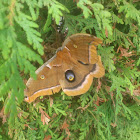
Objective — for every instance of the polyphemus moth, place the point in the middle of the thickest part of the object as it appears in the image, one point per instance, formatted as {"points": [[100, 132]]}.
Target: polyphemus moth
{"points": [[71, 69]]}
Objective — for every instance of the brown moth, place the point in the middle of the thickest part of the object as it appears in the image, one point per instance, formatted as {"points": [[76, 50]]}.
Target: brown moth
{"points": [[71, 69]]}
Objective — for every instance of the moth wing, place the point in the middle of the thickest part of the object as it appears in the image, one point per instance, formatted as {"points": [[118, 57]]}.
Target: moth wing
{"points": [[47, 82], [83, 77], [83, 47], [82, 80]]}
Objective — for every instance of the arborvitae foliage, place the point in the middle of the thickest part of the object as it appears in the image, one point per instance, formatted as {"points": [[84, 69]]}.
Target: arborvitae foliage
{"points": [[110, 109]]}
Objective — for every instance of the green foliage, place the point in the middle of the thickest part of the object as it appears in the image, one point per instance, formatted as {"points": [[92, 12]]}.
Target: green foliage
{"points": [[16, 56], [54, 8], [110, 110], [107, 59], [131, 13]]}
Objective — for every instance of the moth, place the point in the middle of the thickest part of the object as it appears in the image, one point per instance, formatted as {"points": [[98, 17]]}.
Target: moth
{"points": [[71, 69]]}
